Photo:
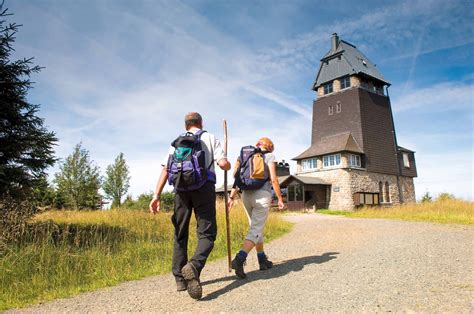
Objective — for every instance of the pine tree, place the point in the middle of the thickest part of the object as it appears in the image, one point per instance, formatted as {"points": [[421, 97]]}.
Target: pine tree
{"points": [[78, 181], [26, 146], [117, 181]]}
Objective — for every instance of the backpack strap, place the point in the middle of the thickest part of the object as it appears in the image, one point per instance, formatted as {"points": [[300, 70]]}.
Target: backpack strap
{"points": [[212, 157], [237, 172], [199, 134], [250, 156]]}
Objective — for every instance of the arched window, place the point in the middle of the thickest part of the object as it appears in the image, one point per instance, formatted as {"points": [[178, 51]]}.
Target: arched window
{"points": [[381, 192], [387, 192]]}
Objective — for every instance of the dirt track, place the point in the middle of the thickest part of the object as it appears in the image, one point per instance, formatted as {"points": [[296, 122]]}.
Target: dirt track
{"points": [[327, 263]]}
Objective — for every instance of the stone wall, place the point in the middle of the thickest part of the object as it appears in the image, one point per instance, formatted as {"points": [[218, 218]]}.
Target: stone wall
{"points": [[336, 86], [355, 81], [362, 181], [408, 187], [320, 91], [340, 196], [346, 182]]}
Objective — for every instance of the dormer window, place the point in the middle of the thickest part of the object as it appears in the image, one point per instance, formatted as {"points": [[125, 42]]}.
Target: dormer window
{"points": [[327, 88], [345, 82]]}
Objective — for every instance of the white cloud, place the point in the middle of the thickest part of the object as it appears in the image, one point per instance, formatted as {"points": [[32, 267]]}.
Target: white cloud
{"points": [[141, 119], [392, 30], [441, 97], [126, 86], [446, 172]]}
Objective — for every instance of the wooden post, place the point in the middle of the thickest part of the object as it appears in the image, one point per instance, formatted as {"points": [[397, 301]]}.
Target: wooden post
{"points": [[226, 199]]}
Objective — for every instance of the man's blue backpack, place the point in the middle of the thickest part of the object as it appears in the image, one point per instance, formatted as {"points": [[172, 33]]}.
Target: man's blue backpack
{"points": [[251, 171], [187, 169]]}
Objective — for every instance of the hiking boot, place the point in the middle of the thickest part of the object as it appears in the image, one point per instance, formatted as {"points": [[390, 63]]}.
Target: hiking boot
{"points": [[181, 285], [191, 276], [264, 262], [238, 265]]}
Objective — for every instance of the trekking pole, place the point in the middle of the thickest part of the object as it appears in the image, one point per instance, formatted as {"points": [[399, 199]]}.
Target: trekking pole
{"points": [[226, 198]]}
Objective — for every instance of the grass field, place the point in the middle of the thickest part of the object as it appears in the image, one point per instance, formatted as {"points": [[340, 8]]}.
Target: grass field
{"points": [[446, 211], [67, 252]]}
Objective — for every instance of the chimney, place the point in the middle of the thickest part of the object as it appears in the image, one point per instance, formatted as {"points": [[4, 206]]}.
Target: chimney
{"points": [[334, 42]]}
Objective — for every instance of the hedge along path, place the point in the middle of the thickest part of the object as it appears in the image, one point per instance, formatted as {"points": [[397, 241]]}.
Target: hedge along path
{"points": [[327, 263]]}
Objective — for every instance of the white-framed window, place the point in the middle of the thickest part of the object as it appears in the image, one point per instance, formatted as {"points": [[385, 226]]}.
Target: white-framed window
{"points": [[354, 160], [331, 160], [330, 110], [345, 82], [406, 160], [338, 107], [327, 88], [308, 164]]}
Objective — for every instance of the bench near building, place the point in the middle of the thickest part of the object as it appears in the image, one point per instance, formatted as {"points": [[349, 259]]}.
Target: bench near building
{"points": [[354, 158]]}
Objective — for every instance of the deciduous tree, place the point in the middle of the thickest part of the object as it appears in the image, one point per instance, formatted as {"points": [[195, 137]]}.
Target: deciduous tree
{"points": [[78, 181], [117, 180]]}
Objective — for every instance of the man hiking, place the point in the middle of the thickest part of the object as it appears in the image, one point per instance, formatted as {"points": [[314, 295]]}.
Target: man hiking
{"points": [[189, 167]]}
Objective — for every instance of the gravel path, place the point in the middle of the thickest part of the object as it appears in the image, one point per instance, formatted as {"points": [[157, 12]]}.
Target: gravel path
{"points": [[327, 263]]}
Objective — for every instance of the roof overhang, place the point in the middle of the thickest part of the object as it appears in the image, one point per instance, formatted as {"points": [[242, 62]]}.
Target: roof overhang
{"points": [[306, 180], [343, 142], [403, 149]]}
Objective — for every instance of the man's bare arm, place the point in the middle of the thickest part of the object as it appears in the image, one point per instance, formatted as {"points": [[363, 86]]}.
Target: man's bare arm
{"points": [[155, 202]]}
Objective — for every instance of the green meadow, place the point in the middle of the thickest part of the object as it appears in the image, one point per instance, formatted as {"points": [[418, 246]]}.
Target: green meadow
{"points": [[67, 252], [451, 211]]}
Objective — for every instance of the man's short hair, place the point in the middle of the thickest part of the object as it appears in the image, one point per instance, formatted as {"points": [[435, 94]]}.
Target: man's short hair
{"points": [[192, 119]]}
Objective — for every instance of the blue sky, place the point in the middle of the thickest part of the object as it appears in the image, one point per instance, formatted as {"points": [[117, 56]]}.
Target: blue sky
{"points": [[120, 75]]}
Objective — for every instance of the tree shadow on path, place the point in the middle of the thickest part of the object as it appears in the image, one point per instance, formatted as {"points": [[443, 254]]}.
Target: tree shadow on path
{"points": [[278, 270]]}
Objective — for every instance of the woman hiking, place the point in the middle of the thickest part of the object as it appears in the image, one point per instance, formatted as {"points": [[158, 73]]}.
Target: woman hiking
{"points": [[255, 174]]}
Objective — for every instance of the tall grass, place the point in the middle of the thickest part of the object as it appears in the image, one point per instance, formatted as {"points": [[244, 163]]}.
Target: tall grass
{"points": [[442, 211], [67, 252]]}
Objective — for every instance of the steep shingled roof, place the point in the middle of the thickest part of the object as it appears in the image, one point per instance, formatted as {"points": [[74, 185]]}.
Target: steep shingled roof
{"points": [[345, 59], [343, 142]]}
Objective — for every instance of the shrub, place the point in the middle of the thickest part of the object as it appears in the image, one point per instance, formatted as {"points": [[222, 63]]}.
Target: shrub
{"points": [[445, 197], [143, 201], [426, 198], [13, 219]]}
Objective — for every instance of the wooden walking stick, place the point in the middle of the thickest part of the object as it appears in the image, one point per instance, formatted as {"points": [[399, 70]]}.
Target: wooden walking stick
{"points": [[226, 198]]}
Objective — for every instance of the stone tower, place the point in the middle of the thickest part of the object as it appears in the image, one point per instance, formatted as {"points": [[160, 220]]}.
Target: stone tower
{"points": [[354, 150]]}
